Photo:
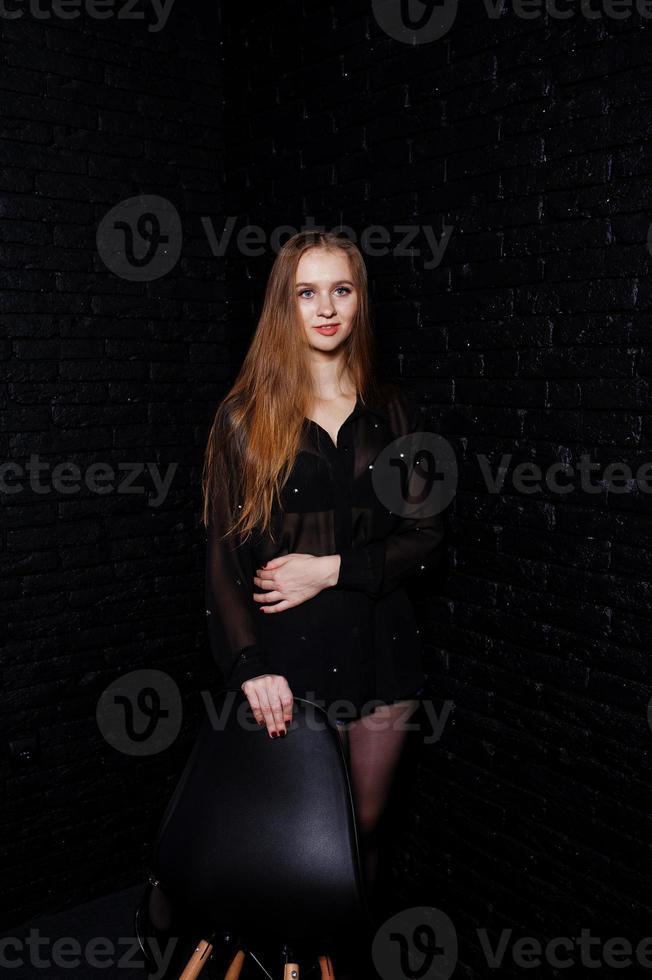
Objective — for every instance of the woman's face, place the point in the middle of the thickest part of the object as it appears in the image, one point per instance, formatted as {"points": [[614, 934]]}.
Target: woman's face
{"points": [[326, 297]]}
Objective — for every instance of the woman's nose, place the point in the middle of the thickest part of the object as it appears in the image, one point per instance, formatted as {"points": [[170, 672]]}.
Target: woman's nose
{"points": [[326, 306]]}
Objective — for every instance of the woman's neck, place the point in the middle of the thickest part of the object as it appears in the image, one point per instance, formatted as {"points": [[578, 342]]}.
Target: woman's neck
{"points": [[330, 379]]}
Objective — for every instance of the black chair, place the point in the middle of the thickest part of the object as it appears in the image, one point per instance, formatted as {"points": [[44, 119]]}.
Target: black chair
{"points": [[257, 849]]}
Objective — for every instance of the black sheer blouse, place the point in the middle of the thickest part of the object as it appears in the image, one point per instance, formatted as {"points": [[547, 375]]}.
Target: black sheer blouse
{"points": [[357, 642]]}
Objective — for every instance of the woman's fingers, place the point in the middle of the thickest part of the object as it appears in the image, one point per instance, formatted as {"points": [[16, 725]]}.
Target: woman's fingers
{"points": [[266, 574], [271, 701], [268, 596], [271, 567], [268, 713], [287, 701], [278, 606], [276, 562], [252, 698]]}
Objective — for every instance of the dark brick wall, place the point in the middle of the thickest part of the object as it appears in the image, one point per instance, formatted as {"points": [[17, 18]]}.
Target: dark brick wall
{"points": [[531, 140], [96, 368]]}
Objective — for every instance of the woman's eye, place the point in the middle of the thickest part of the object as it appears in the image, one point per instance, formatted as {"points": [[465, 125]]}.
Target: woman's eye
{"points": [[344, 289]]}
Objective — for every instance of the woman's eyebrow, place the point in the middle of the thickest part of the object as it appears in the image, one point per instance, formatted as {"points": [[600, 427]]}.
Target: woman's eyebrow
{"points": [[340, 282]]}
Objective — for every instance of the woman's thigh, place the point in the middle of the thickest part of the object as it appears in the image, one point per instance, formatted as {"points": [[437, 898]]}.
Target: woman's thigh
{"points": [[374, 744]]}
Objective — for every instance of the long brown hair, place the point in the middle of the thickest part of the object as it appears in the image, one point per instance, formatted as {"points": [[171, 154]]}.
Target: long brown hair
{"points": [[255, 435]]}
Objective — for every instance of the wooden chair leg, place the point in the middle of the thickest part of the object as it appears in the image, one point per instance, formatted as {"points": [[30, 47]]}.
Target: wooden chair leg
{"points": [[235, 969], [326, 967], [197, 961], [291, 971]]}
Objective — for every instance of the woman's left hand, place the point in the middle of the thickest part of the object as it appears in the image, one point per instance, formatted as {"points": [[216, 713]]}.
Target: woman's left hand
{"points": [[294, 578]]}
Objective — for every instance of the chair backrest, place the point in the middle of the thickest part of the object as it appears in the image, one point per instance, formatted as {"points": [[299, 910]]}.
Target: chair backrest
{"points": [[259, 835]]}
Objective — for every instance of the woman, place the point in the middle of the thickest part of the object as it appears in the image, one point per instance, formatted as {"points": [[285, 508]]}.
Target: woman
{"points": [[305, 566]]}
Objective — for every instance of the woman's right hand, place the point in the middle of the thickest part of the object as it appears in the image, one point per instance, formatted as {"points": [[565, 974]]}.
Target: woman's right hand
{"points": [[271, 701]]}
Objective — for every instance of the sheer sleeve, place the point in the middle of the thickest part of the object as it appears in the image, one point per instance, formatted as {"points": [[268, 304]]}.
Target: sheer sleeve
{"points": [[415, 544], [230, 606]]}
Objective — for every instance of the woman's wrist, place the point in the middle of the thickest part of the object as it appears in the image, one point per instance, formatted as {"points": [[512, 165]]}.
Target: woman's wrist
{"points": [[331, 570]]}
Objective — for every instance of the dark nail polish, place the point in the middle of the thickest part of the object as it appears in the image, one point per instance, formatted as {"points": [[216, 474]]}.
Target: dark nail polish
{"points": [[274, 734], [283, 733]]}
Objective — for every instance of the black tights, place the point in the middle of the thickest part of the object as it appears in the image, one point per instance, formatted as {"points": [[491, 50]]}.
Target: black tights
{"points": [[373, 747]]}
